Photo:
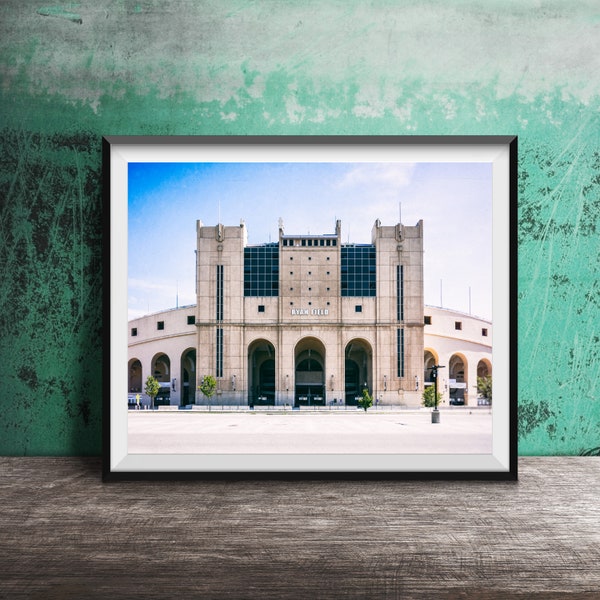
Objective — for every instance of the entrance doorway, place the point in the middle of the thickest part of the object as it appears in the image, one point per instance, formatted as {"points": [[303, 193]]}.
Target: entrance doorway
{"points": [[358, 370], [310, 373], [261, 373], [188, 374], [161, 370], [135, 376]]}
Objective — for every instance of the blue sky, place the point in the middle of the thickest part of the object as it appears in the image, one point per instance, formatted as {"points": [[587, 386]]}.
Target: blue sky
{"points": [[453, 199]]}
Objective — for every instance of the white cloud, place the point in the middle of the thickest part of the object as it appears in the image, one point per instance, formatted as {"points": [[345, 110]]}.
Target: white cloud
{"points": [[453, 202], [146, 297], [142, 286], [387, 175]]}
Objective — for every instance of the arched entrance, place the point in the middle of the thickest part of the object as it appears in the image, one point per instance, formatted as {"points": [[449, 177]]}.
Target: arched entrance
{"points": [[161, 370], [134, 383], [310, 373], [358, 370], [484, 388], [429, 360], [457, 379], [484, 368], [188, 376], [261, 373]]}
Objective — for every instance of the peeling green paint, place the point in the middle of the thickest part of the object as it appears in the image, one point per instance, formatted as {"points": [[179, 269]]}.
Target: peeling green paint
{"points": [[238, 68]]}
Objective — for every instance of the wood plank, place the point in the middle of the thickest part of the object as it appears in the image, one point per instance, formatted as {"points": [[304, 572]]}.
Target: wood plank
{"points": [[65, 534]]}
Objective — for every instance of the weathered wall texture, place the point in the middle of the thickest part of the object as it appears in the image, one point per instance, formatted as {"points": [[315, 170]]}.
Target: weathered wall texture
{"points": [[73, 72]]}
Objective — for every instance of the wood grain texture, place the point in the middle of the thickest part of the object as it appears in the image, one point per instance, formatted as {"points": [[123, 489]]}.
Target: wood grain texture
{"points": [[65, 534]]}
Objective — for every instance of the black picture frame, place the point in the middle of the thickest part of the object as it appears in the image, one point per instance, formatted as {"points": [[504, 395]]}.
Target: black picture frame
{"points": [[500, 152]]}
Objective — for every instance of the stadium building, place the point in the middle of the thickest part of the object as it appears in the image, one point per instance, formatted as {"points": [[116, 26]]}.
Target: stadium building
{"points": [[308, 321]]}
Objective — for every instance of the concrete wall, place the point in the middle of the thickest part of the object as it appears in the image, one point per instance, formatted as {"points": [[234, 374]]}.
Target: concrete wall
{"points": [[239, 67]]}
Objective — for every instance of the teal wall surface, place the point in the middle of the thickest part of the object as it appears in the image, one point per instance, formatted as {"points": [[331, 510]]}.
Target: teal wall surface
{"points": [[71, 73]]}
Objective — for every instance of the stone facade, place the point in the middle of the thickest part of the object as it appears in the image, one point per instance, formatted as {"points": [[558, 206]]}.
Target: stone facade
{"points": [[462, 344], [308, 320], [312, 341], [303, 321]]}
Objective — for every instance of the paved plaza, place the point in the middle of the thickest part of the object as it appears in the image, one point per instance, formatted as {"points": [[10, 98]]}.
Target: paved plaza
{"points": [[303, 432]]}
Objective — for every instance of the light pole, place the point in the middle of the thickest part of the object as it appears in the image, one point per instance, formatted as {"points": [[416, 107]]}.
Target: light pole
{"points": [[435, 414]]}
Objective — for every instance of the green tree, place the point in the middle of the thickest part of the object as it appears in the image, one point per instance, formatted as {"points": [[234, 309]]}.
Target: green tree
{"points": [[429, 397], [484, 387], [366, 401], [152, 389], [208, 387]]}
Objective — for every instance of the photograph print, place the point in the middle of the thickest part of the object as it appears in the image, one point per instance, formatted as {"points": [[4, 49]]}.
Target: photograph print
{"points": [[312, 307]]}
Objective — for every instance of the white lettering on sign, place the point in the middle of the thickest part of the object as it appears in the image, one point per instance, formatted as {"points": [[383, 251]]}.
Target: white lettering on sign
{"points": [[311, 311]]}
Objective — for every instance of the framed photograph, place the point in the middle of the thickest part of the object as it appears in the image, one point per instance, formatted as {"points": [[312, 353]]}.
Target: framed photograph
{"points": [[310, 306]]}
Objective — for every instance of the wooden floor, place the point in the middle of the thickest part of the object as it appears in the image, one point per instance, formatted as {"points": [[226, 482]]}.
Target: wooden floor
{"points": [[65, 534]]}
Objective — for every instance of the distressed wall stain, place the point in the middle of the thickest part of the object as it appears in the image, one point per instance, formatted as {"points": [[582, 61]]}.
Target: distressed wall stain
{"points": [[49, 327], [61, 13], [239, 67]]}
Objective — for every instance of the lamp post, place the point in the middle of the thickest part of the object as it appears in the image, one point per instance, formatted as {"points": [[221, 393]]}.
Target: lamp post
{"points": [[435, 413]]}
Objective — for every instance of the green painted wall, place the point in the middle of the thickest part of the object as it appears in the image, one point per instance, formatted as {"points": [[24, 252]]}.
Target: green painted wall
{"points": [[73, 72]]}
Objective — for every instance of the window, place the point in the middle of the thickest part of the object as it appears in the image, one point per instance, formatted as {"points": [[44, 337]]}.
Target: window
{"points": [[219, 299], [458, 325], [400, 292], [219, 357], [261, 270], [484, 332], [160, 325], [427, 320], [261, 308], [134, 331], [358, 270], [400, 351], [358, 308], [191, 320]]}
